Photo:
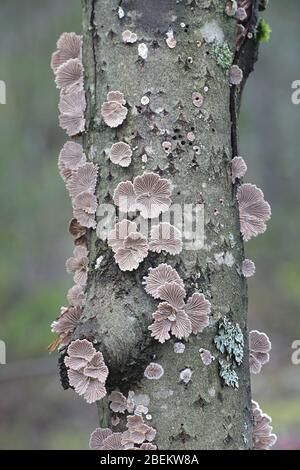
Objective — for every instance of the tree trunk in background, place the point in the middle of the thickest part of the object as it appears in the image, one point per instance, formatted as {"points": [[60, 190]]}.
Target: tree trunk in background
{"points": [[204, 414]]}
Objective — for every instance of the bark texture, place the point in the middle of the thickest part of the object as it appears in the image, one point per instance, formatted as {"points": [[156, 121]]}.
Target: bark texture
{"points": [[204, 414]]}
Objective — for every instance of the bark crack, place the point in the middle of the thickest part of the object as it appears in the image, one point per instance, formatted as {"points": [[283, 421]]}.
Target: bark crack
{"points": [[235, 97], [93, 27]]}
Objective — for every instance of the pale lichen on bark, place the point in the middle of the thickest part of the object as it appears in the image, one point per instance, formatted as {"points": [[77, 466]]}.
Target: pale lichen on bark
{"points": [[202, 414]]}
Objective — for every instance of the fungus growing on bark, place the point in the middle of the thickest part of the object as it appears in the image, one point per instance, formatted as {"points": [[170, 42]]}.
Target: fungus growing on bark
{"points": [[83, 179], [69, 76], [175, 316], [149, 193], [91, 388], [113, 113], [78, 265], [153, 371], [66, 323], [71, 108], [171, 41], [76, 296], [80, 241], [64, 172], [125, 197], [263, 438], [67, 320], [145, 100], [71, 156], [133, 252], [87, 371], [80, 352], [138, 432], [231, 7], [129, 37], [169, 319], [167, 146], [241, 14], [238, 168], [105, 439], [147, 446], [116, 96], [143, 51], [85, 201], [197, 99], [254, 211], [120, 154], [86, 219], [130, 401], [158, 276], [117, 235], [190, 136], [113, 110], [165, 237], [172, 293], [98, 437], [113, 442], [186, 375], [118, 402], [179, 347], [197, 309], [206, 356], [235, 75], [69, 46], [121, 13], [248, 268], [81, 186], [259, 349], [152, 194], [141, 410]]}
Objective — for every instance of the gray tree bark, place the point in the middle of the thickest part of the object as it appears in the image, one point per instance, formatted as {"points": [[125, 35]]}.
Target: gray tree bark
{"points": [[204, 414]]}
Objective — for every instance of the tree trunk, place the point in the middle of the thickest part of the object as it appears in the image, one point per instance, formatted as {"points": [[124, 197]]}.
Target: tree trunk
{"points": [[204, 413]]}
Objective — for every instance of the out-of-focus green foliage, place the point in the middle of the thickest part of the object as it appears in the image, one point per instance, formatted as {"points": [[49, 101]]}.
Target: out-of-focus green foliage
{"points": [[34, 205], [26, 327]]}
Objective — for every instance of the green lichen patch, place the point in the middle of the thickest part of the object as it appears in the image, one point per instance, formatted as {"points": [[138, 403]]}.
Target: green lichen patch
{"points": [[264, 30], [222, 54], [230, 340], [228, 374]]}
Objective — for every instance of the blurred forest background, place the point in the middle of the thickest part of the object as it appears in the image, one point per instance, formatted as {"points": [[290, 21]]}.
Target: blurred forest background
{"points": [[35, 412]]}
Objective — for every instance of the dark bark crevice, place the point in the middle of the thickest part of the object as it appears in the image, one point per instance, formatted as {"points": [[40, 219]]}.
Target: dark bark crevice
{"points": [[93, 27], [245, 57]]}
